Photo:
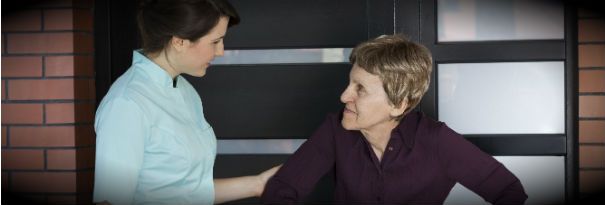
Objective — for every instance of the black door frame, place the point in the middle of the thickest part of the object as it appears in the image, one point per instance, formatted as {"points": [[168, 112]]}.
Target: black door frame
{"points": [[418, 20]]}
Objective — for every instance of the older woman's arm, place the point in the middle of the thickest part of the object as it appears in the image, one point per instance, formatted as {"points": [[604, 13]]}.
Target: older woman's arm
{"points": [[476, 170], [298, 176]]}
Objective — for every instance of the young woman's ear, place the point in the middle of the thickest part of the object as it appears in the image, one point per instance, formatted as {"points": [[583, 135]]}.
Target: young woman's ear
{"points": [[178, 43]]}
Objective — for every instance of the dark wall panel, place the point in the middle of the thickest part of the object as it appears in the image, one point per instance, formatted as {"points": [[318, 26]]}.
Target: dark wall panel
{"points": [[242, 165], [270, 101], [298, 23]]}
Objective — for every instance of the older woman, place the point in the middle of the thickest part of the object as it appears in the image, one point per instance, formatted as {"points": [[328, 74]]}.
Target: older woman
{"points": [[382, 152]]}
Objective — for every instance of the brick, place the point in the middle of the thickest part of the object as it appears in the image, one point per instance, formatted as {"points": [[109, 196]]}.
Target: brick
{"points": [[85, 157], [58, 159], [69, 66], [592, 131], [40, 43], [592, 80], [69, 112], [591, 56], [592, 106], [44, 182], [29, 159], [22, 20], [4, 136], [37, 136], [592, 156], [41, 89], [3, 89], [60, 113], [83, 19], [21, 66], [21, 113], [590, 30], [61, 199], [58, 19], [47, 89], [592, 181]]}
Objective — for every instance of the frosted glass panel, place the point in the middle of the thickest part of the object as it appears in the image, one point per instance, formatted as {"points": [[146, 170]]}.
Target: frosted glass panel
{"points": [[484, 20], [273, 56], [543, 178], [265, 146], [502, 98]]}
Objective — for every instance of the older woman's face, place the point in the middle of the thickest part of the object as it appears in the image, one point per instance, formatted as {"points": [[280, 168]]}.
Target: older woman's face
{"points": [[366, 103]]}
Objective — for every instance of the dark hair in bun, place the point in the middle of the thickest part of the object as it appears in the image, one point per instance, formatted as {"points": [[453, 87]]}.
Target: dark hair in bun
{"points": [[159, 20]]}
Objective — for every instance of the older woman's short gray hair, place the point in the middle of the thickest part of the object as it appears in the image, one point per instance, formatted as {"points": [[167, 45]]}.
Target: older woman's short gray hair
{"points": [[403, 66]]}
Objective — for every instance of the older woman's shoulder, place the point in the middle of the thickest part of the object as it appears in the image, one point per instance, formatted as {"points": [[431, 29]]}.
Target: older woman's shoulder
{"points": [[429, 127]]}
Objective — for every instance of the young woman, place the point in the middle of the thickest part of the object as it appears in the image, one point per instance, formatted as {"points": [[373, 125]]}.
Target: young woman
{"points": [[154, 145]]}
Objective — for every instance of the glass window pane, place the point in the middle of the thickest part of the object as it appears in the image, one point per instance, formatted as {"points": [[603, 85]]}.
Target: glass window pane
{"points": [[265, 146], [502, 98], [543, 178], [275, 56], [485, 20]]}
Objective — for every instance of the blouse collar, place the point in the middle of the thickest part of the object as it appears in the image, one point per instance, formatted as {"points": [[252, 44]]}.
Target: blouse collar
{"points": [[153, 70]]}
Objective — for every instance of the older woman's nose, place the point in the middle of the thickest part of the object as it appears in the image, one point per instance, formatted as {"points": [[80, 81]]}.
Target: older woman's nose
{"points": [[347, 95]]}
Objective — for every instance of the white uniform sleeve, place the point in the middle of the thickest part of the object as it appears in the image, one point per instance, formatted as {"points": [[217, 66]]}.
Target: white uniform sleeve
{"points": [[121, 127]]}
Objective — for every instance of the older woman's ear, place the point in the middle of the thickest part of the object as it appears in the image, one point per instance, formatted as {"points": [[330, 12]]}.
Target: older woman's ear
{"points": [[398, 110]]}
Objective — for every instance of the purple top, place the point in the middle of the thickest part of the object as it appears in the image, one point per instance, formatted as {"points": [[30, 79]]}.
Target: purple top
{"points": [[422, 162]]}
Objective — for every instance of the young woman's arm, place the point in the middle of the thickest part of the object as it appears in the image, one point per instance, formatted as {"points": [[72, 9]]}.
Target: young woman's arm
{"points": [[229, 189]]}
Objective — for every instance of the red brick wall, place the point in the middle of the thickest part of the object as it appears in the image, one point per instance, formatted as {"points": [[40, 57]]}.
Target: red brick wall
{"points": [[591, 60], [48, 100]]}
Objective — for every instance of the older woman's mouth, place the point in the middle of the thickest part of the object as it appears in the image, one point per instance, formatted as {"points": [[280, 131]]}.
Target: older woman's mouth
{"points": [[348, 111]]}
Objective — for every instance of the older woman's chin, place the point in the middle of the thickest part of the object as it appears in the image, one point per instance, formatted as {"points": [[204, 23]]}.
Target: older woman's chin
{"points": [[348, 125]]}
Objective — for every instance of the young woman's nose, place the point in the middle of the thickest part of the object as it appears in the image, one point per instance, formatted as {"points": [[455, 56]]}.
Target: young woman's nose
{"points": [[220, 50]]}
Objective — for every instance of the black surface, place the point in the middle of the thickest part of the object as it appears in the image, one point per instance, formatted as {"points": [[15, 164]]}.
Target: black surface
{"points": [[521, 144], [242, 165], [298, 23], [270, 101], [116, 36], [571, 103]]}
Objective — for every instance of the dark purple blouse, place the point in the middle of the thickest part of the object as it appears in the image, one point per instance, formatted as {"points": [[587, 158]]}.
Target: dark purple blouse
{"points": [[422, 162]]}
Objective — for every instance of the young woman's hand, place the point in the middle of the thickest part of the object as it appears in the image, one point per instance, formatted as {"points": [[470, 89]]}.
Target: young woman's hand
{"points": [[264, 177]]}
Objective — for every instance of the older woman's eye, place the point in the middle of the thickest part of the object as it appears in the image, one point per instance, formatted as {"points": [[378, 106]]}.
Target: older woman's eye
{"points": [[360, 88]]}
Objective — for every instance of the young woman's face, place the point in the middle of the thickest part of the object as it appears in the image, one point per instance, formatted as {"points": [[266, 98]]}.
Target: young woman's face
{"points": [[196, 56]]}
